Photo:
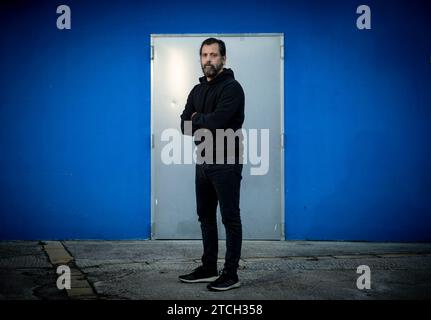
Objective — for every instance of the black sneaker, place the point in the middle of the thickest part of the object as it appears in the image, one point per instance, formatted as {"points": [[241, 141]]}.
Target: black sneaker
{"points": [[199, 275], [224, 282]]}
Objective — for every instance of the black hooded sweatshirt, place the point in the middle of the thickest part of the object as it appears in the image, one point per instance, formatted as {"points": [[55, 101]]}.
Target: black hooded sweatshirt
{"points": [[219, 104]]}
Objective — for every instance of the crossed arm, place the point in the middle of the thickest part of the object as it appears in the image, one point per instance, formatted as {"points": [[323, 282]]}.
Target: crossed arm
{"points": [[231, 99]]}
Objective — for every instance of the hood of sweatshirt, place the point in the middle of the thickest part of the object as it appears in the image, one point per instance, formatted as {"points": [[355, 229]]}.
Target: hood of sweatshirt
{"points": [[225, 74]]}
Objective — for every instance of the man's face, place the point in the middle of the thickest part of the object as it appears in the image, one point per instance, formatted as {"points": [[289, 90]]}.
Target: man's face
{"points": [[211, 60]]}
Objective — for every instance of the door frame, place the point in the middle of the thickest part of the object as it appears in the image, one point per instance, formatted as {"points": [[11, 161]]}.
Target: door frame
{"points": [[282, 134]]}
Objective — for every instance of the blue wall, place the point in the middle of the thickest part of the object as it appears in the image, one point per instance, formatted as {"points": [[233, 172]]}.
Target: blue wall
{"points": [[75, 115]]}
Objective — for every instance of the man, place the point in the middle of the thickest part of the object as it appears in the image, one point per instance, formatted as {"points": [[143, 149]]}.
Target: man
{"points": [[217, 102]]}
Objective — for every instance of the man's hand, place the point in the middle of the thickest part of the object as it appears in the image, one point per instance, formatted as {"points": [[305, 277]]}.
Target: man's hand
{"points": [[191, 118]]}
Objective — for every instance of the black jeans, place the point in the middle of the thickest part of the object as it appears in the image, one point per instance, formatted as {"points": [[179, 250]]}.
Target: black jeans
{"points": [[219, 183]]}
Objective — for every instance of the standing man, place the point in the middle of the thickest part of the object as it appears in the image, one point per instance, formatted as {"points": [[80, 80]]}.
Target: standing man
{"points": [[217, 102]]}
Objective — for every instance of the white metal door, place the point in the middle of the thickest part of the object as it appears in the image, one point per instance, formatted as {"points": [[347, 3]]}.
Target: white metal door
{"points": [[257, 62]]}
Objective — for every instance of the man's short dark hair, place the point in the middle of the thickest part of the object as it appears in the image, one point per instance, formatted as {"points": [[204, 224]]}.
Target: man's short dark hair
{"points": [[210, 41]]}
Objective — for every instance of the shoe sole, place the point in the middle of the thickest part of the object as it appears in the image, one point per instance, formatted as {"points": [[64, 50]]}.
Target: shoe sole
{"points": [[203, 280], [236, 285]]}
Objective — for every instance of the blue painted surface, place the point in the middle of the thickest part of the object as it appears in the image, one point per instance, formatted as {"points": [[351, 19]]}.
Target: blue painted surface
{"points": [[75, 115]]}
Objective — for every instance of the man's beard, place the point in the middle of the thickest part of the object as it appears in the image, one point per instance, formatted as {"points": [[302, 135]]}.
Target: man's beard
{"points": [[212, 70]]}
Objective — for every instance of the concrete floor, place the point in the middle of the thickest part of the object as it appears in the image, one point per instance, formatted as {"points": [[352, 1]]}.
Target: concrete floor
{"points": [[268, 270]]}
